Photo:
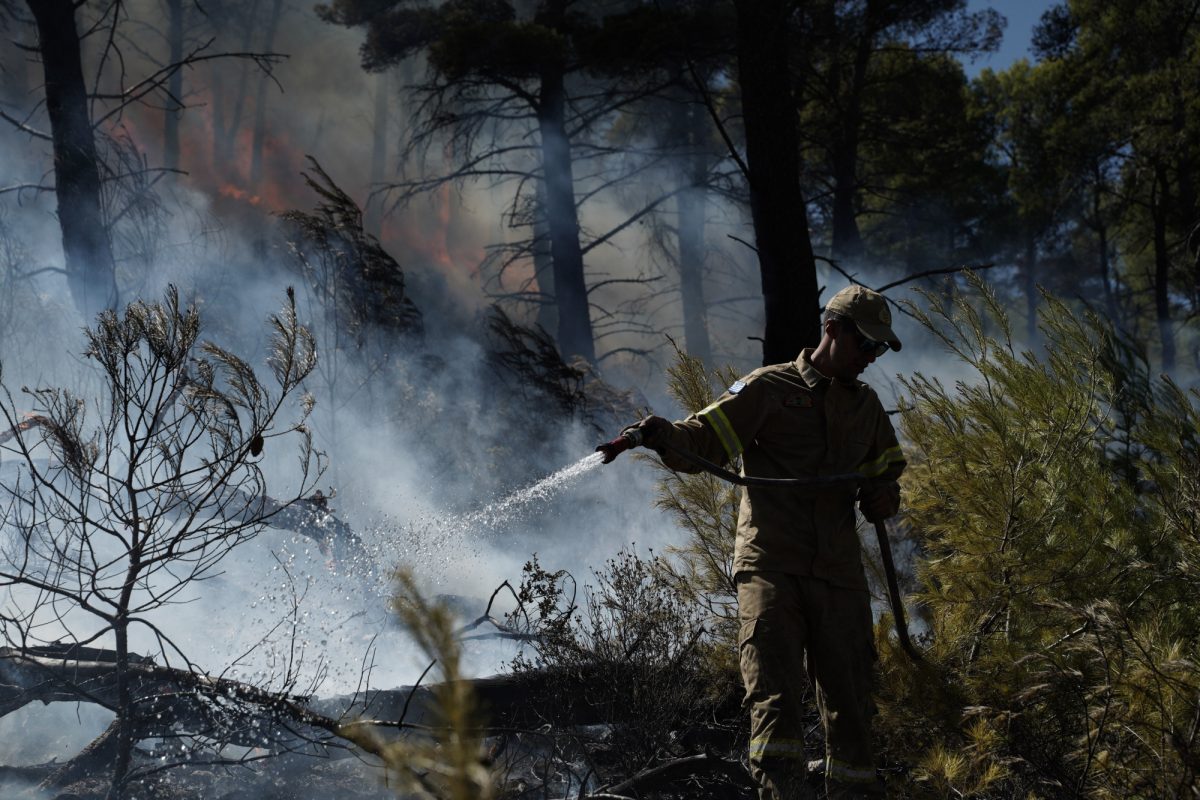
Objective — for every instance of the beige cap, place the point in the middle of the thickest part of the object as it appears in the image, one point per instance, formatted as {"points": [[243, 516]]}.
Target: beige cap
{"points": [[870, 313]]}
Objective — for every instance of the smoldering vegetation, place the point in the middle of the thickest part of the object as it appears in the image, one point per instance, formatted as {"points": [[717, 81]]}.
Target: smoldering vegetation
{"points": [[413, 451], [308, 510]]}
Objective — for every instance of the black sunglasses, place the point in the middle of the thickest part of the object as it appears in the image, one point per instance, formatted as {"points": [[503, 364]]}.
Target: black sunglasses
{"points": [[870, 346]]}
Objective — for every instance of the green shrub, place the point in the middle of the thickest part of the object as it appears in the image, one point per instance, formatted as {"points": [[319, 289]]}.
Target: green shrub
{"points": [[624, 672], [706, 508], [1054, 499]]}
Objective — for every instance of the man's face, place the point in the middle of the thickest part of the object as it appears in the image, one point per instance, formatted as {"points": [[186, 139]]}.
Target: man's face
{"points": [[847, 356]]}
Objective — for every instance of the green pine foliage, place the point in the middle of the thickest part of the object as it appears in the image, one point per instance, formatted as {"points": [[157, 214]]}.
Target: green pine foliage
{"points": [[706, 508], [449, 763], [1055, 497]]}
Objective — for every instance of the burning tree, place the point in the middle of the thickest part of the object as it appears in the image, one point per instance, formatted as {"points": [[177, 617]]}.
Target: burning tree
{"points": [[522, 95], [116, 508], [87, 90]]}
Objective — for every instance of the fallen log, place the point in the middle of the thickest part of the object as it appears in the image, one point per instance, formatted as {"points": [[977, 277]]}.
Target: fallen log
{"points": [[214, 712], [97, 756], [172, 699], [168, 703], [674, 771], [167, 700], [181, 704]]}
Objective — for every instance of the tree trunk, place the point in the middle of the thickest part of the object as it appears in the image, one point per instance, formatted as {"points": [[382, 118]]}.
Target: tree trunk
{"points": [[1189, 220], [1098, 224], [1031, 292], [181, 701], [847, 238], [260, 101], [14, 72], [847, 244], [174, 104], [216, 92], [91, 272], [1185, 207], [1162, 268], [1110, 297], [562, 218], [691, 204], [789, 272], [225, 159], [94, 758], [174, 701], [373, 216], [225, 132], [125, 720], [543, 264]]}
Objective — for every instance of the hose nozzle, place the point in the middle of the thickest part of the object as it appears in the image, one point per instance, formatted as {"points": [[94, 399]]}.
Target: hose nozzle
{"points": [[628, 439]]}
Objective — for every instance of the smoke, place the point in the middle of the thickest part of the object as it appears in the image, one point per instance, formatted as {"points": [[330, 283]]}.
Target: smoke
{"points": [[412, 442], [36, 734]]}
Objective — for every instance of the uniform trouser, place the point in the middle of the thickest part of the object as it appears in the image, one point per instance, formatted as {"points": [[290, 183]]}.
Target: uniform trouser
{"points": [[787, 622]]}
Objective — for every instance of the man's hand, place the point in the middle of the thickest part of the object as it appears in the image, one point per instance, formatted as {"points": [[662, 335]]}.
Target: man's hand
{"points": [[878, 501], [640, 433], [652, 428]]}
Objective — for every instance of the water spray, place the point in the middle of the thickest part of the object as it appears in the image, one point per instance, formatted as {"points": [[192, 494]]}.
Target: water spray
{"points": [[519, 502]]}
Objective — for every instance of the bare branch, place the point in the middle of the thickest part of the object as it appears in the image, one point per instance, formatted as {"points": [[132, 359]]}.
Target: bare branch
{"points": [[25, 128], [927, 273]]}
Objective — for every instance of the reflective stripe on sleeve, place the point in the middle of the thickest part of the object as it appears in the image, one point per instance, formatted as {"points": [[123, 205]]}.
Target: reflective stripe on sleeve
{"points": [[871, 469], [848, 773], [716, 419], [762, 747]]}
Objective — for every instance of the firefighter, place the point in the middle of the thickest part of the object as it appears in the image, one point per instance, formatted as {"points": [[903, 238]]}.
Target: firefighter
{"points": [[803, 602]]}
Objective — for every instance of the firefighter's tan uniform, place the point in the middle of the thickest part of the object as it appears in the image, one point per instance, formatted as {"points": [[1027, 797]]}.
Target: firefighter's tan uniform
{"points": [[802, 594]]}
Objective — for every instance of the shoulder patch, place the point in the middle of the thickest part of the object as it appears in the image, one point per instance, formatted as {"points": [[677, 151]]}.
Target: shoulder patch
{"points": [[800, 400], [737, 387]]}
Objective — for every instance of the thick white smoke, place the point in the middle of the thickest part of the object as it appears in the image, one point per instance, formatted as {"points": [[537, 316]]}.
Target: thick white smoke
{"points": [[412, 474]]}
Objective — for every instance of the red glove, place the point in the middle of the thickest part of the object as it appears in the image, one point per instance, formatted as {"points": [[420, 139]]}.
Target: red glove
{"points": [[636, 435]]}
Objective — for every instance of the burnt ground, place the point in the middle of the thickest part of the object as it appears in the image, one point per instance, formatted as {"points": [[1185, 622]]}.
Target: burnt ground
{"points": [[287, 777]]}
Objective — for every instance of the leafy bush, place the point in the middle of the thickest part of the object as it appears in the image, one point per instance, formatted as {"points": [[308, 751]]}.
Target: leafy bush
{"points": [[1055, 498], [706, 508], [627, 675]]}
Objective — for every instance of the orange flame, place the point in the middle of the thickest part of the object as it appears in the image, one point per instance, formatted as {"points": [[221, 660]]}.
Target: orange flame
{"points": [[229, 190]]}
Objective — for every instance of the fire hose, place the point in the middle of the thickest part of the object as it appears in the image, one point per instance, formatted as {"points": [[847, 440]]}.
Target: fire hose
{"points": [[634, 438]]}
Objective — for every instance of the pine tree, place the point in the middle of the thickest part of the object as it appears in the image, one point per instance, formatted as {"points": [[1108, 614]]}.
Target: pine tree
{"points": [[1054, 496]]}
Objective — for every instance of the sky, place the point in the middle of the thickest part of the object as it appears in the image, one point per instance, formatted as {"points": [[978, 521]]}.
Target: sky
{"points": [[1022, 16]]}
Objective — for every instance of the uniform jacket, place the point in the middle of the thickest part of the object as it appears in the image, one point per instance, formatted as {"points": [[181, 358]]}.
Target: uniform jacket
{"points": [[790, 421]]}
